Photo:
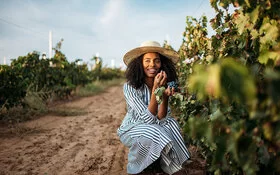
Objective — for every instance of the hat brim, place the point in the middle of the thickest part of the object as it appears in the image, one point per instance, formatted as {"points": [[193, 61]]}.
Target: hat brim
{"points": [[137, 52]]}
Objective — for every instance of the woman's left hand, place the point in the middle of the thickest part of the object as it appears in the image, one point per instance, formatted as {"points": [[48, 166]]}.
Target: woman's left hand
{"points": [[169, 91]]}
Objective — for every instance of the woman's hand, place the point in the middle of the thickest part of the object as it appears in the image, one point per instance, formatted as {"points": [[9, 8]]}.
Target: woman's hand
{"points": [[160, 79], [169, 91]]}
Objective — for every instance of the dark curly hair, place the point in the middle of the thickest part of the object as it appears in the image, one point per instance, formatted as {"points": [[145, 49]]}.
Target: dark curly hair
{"points": [[135, 74]]}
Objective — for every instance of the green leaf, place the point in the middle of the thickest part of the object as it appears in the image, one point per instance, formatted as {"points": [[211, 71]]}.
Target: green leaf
{"points": [[197, 81], [197, 127], [236, 81], [248, 3], [159, 94], [265, 56], [254, 15], [216, 115], [265, 157], [241, 22], [213, 85], [269, 30], [267, 131], [254, 33]]}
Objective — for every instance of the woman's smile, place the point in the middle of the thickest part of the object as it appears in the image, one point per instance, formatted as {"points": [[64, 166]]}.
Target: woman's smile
{"points": [[152, 71]]}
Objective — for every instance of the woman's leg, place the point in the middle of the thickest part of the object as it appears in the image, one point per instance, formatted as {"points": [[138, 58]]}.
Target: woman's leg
{"points": [[146, 142], [171, 126], [173, 160]]}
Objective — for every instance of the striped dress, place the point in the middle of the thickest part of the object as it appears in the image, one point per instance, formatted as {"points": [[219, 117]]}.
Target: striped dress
{"points": [[149, 138]]}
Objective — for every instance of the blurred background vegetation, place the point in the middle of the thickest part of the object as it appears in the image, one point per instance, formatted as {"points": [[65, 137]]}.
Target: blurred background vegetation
{"points": [[30, 83]]}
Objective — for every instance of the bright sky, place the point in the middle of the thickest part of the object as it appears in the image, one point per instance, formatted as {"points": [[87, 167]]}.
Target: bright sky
{"points": [[108, 27]]}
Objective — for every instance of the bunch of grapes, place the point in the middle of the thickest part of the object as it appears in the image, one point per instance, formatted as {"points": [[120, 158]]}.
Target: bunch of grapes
{"points": [[173, 84]]}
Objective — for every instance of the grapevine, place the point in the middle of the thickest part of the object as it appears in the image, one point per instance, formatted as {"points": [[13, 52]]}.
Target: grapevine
{"points": [[229, 107], [159, 91]]}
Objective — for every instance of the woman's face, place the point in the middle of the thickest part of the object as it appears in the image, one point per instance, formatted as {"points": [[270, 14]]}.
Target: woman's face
{"points": [[151, 64]]}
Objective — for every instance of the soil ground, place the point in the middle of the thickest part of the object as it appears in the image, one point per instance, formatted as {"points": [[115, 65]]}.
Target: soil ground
{"points": [[82, 144]]}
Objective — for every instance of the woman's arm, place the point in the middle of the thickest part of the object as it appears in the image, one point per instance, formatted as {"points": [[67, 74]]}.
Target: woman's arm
{"points": [[163, 108], [161, 80], [153, 106]]}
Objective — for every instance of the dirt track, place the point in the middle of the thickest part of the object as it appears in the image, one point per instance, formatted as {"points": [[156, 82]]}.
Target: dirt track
{"points": [[83, 144]]}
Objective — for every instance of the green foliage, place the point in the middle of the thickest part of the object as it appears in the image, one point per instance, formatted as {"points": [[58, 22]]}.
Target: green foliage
{"points": [[107, 73], [28, 76], [31, 74], [12, 86], [229, 102], [159, 94]]}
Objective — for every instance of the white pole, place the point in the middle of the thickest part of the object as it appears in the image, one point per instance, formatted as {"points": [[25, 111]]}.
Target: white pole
{"points": [[50, 47], [113, 63], [50, 44], [4, 60]]}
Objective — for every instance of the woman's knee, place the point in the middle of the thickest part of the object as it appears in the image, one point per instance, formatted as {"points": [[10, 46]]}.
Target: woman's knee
{"points": [[155, 128]]}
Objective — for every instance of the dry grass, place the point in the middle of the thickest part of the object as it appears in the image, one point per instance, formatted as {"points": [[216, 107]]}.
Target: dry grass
{"points": [[21, 131], [67, 111], [97, 87], [20, 114]]}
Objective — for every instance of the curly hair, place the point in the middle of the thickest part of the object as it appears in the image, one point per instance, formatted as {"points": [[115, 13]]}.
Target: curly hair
{"points": [[135, 74]]}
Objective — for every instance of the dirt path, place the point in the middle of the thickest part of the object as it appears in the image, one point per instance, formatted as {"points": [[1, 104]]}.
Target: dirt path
{"points": [[84, 144]]}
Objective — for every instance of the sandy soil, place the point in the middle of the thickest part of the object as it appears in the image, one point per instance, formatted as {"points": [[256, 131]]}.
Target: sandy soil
{"points": [[85, 144], [82, 144]]}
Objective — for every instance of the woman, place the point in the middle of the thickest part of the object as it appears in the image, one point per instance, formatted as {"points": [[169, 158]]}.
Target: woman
{"points": [[148, 129]]}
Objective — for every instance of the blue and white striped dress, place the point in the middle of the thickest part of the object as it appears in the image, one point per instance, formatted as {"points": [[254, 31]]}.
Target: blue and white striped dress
{"points": [[149, 138]]}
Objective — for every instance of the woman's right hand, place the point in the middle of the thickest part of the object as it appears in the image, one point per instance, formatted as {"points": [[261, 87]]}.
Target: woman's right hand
{"points": [[160, 79]]}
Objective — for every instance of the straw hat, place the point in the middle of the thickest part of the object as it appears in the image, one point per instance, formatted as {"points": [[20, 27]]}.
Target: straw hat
{"points": [[147, 47]]}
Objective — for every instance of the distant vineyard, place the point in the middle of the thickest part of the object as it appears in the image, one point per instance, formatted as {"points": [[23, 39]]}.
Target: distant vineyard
{"points": [[55, 76], [230, 101]]}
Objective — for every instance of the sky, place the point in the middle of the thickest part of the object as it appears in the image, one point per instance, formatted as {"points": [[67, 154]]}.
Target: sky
{"points": [[108, 28]]}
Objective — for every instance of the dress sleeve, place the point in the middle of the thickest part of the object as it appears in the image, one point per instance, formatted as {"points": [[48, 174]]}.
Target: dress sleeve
{"points": [[134, 100]]}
